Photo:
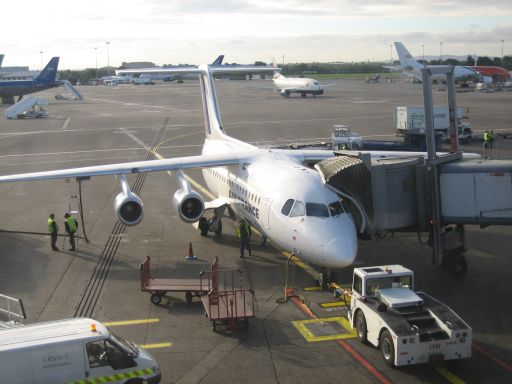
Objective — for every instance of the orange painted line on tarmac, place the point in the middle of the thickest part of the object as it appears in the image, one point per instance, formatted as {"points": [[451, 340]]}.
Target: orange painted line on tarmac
{"points": [[489, 355], [364, 362]]}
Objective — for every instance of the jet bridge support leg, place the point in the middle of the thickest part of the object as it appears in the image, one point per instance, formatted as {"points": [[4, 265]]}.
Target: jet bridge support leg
{"points": [[451, 257]]}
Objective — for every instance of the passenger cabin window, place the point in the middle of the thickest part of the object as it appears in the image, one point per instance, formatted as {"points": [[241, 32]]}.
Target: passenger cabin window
{"points": [[287, 207], [336, 208], [316, 210], [298, 209]]}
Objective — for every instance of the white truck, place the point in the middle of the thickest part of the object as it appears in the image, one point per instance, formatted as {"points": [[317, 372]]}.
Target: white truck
{"points": [[77, 350], [408, 327], [412, 118], [143, 79], [343, 138]]}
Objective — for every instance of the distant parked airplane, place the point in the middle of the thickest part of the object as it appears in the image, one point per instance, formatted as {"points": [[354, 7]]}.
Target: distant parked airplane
{"points": [[302, 85], [494, 73], [44, 80], [413, 68]]}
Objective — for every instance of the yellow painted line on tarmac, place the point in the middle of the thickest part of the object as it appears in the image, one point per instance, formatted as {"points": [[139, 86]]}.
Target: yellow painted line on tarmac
{"points": [[154, 346], [449, 375], [302, 327], [332, 304], [312, 288], [131, 322]]}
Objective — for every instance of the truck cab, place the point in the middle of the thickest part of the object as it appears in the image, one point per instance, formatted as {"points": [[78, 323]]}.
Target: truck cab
{"points": [[343, 138], [408, 327]]}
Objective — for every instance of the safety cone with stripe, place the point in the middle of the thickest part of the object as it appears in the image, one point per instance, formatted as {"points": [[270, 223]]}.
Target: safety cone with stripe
{"points": [[190, 252]]}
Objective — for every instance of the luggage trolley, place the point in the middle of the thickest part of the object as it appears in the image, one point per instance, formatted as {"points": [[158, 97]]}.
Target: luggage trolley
{"points": [[159, 287], [227, 304]]}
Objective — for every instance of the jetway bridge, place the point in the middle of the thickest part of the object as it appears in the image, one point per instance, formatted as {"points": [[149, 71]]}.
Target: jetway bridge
{"points": [[392, 195], [436, 193]]}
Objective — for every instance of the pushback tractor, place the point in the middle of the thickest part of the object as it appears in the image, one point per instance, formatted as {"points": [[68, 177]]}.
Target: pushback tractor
{"points": [[408, 327]]}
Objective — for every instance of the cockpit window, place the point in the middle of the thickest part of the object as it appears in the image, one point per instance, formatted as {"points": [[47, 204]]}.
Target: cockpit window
{"points": [[287, 207], [316, 210], [298, 209], [336, 208]]}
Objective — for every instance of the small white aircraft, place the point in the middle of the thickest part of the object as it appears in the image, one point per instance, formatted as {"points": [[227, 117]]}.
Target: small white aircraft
{"points": [[289, 85], [413, 68], [272, 189]]}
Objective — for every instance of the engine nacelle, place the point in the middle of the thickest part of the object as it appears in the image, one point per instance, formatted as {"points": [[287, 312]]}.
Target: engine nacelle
{"points": [[128, 206], [188, 203]]}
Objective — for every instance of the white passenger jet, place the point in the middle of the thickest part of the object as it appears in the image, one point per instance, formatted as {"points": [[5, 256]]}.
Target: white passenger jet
{"points": [[272, 189], [413, 68], [302, 85]]}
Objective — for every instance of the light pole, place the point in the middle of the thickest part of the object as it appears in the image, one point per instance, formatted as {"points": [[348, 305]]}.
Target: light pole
{"points": [[96, 56], [502, 41], [108, 58], [41, 53], [391, 52], [423, 51], [441, 54]]}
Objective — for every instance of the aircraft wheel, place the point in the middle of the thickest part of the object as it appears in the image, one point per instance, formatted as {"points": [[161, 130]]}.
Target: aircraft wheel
{"points": [[218, 230], [156, 299], [188, 297], [362, 331], [457, 265], [387, 348]]}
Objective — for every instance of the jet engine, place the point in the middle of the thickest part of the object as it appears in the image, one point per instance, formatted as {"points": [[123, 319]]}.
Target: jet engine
{"points": [[128, 206], [188, 203]]}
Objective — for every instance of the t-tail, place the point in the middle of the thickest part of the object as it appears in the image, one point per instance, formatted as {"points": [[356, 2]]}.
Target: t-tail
{"points": [[49, 73], [218, 60], [406, 59]]}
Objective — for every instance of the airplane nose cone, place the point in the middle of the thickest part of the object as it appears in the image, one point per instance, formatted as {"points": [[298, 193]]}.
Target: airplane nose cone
{"points": [[341, 250]]}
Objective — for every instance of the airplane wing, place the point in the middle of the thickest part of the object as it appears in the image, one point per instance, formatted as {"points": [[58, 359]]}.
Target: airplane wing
{"points": [[178, 163]]}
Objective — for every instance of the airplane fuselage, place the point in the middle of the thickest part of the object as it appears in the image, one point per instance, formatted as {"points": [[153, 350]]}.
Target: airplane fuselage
{"points": [[298, 218], [24, 87]]}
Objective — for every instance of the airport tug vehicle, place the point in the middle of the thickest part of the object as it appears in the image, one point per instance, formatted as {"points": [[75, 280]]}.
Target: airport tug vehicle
{"points": [[408, 327]]}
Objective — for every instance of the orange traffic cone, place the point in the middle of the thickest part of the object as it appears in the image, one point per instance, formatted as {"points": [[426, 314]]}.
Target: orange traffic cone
{"points": [[190, 252]]}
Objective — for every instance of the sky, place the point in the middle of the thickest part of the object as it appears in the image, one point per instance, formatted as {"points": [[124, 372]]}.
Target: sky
{"points": [[197, 31]]}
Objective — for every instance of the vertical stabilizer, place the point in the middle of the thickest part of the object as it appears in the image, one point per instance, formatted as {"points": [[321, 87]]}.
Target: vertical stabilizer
{"points": [[212, 121], [406, 59], [49, 73], [218, 60]]}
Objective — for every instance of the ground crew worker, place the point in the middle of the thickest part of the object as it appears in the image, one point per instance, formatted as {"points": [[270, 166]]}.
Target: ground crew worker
{"points": [[487, 139], [71, 226], [53, 228], [243, 231]]}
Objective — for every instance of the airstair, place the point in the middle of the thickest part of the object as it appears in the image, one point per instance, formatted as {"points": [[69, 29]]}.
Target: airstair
{"points": [[12, 312], [26, 104], [72, 90]]}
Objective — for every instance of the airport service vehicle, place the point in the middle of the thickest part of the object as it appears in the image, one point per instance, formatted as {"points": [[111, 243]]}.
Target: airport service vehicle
{"points": [[412, 118], [77, 350], [408, 327], [143, 79], [343, 138]]}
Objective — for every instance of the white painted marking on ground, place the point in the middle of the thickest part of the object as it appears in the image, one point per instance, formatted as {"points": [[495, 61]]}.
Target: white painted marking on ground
{"points": [[66, 123]]}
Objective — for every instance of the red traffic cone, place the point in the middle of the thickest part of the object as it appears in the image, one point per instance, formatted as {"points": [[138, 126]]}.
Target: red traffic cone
{"points": [[190, 252]]}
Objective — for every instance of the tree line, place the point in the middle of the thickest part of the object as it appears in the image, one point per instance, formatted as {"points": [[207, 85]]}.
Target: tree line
{"points": [[90, 74]]}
